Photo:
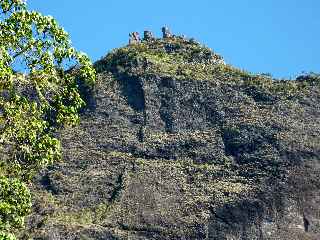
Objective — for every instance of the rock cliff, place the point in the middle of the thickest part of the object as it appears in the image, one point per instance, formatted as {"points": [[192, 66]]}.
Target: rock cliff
{"points": [[176, 144]]}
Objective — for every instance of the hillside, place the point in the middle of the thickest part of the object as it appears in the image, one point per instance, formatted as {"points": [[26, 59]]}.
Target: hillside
{"points": [[176, 144]]}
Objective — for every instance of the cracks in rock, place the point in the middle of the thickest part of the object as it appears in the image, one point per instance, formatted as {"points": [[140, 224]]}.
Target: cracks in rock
{"points": [[168, 103], [306, 223], [118, 188], [132, 89], [120, 183], [141, 136]]}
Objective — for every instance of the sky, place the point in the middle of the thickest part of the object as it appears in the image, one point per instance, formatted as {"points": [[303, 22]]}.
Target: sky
{"points": [[281, 37]]}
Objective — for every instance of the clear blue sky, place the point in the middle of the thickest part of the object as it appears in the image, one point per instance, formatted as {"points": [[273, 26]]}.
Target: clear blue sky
{"points": [[281, 37]]}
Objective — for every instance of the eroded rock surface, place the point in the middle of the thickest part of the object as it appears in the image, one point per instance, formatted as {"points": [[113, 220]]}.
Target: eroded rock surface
{"points": [[175, 144]]}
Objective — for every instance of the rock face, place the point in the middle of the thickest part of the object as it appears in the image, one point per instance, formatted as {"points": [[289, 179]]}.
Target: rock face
{"points": [[175, 144]]}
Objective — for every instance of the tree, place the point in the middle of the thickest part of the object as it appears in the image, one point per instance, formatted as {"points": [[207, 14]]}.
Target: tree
{"points": [[38, 94]]}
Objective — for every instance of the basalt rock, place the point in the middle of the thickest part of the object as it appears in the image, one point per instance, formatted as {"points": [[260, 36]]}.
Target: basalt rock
{"points": [[176, 144], [134, 38], [148, 36], [166, 33]]}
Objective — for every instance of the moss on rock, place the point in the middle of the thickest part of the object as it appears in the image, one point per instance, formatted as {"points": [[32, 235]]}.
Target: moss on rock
{"points": [[177, 144]]}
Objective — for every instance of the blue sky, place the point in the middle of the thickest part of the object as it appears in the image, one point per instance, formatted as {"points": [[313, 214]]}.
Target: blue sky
{"points": [[281, 37]]}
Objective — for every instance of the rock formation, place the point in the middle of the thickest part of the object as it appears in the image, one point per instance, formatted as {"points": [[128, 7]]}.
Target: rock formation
{"points": [[176, 144], [134, 38], [166, 32], [148, 36]]}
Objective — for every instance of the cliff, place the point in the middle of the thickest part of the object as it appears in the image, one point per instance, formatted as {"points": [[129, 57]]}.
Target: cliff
{"points": [[176, 144]]}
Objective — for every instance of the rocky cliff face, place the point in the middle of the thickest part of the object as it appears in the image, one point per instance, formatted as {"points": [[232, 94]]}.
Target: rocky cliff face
{"points": [[175, 144]]}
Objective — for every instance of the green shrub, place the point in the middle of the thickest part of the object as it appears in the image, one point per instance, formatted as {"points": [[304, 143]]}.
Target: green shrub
{"points": [[6, 236], [15, 203]]}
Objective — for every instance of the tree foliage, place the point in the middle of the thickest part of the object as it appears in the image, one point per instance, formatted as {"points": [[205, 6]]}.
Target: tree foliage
{"points": [[7, 236], [15, 203], [38, 93], [36, 44]]}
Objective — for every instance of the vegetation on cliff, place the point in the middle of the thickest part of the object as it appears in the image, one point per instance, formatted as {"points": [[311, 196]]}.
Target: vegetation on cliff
{"points": [[175, 143], [184, 59]]}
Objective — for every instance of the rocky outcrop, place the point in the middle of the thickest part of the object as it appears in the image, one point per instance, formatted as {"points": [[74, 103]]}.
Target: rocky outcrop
{"points": [[175, 144]]}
